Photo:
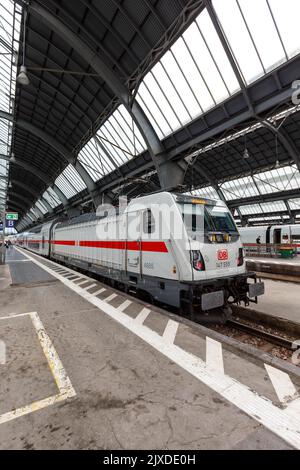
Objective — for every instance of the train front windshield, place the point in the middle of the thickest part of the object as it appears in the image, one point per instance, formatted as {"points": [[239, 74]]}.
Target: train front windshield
{"points": [[218, 219], [202, 219]]}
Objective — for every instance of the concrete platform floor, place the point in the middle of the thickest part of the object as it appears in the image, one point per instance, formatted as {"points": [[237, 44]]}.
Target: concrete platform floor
{"points": [[91, 368], [281, 299]]}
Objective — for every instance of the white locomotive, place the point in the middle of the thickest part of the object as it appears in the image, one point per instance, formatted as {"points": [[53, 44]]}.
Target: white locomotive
{"points": [[180, 250]]}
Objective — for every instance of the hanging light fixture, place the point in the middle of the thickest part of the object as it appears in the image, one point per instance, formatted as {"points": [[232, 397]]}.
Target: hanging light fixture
{"points": [[246, 154], [277, 164], [22, 78]]}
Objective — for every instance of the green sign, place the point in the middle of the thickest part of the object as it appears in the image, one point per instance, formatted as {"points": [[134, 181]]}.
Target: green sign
{"points": [[12, 216]]}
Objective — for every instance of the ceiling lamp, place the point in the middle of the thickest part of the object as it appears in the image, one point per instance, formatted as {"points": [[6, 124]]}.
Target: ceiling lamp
{"points": [[277, 164], [22, 78], [246, 154]]}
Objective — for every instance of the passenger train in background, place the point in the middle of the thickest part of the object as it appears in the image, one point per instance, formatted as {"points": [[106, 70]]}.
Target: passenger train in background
{"points": [[202, 272], [272, 234]]}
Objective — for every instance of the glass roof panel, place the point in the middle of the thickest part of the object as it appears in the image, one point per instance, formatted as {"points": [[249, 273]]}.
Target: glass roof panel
{"points": [[117, 141], [69, 182], [51, 197], [190, 78], [294, 204], [250, 209], [42, 207], [239, 38], [275, 206], [208, 192], [74, 178], [218, 57], [265, 36], [9, 42], [261, 33], [286, 15], [239, 188], [279, 179]]}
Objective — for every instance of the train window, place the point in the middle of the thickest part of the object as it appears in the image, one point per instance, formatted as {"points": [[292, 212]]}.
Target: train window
{"points": [[218, 219], [148, 221], [295, 238], [192, 215]]}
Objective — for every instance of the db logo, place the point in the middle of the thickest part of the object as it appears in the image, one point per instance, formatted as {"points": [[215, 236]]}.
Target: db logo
{"points": [[222, 255]]}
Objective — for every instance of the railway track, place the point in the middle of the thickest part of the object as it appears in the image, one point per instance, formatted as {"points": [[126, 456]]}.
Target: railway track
{"points": [[263, 334]]}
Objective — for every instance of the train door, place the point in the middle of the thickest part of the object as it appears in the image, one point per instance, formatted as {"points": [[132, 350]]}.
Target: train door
{"points": [[277, 236], [133, 245]]}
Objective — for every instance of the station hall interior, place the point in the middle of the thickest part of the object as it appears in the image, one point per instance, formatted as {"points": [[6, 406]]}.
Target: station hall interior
{"points": [[150, 225]]}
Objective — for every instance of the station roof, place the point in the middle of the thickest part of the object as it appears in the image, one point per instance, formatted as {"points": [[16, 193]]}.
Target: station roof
{"points": [[213, 78]]}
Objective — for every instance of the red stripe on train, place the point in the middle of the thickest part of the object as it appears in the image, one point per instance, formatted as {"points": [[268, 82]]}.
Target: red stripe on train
{"points": [[63, 242], [153, 246], [159, 247]]}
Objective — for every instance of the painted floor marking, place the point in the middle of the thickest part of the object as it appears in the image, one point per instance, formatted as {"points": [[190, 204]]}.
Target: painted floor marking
{"points": [[90, 286], [170, 331], [62, 381], [110, 297], [260, 408], [83, 281], [214, 355], [99, 291], [141, 317], [124, 305], [282, 383]]}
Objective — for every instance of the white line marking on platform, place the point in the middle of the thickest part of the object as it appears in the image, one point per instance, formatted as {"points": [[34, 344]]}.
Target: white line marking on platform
{"points": [[89, 287], [170, 331], [82, 282], [261, 409], [62, 381], [124, 305], [110, 297], [282, 383], [214, 355], [99, 291], [141, 317]]}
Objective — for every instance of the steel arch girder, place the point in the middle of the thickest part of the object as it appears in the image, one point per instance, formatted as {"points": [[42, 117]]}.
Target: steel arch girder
{"points": [[170, 174]]}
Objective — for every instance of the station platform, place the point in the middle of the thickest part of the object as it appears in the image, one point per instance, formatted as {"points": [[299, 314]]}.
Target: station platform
{"points": [[281, 299], [89, 367], [275, 266]]}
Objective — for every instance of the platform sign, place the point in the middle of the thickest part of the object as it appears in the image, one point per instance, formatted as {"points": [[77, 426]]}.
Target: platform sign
{"points": [[9, 223], [12, 216]]}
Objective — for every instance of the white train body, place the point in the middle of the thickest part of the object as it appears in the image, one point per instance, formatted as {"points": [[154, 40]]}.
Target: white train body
{"points": [[156, 246], [272, 234]]}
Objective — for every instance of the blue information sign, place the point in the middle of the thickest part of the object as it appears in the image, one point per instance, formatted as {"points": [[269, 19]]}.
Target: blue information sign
{"points": [[9, 223]]}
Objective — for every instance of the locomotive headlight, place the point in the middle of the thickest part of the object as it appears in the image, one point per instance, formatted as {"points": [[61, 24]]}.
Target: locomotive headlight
{"points": [[197, 260]]}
